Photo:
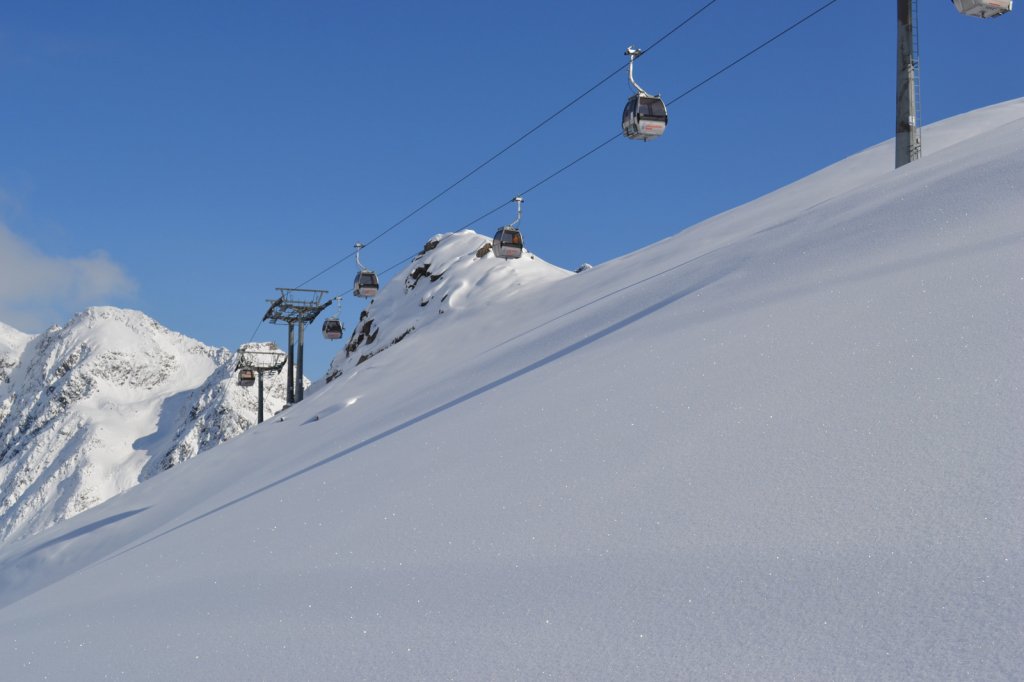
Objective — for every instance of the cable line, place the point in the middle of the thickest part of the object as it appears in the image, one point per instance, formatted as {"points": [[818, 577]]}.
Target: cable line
{"points": [[254, 332], [522, 137], [618, 134], [766, 43], [583, 156], [707, 80]]}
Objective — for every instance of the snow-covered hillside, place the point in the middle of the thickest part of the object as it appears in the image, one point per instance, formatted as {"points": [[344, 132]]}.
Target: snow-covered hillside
{"points": [[783, 444], [453, 272], [90, 409]]}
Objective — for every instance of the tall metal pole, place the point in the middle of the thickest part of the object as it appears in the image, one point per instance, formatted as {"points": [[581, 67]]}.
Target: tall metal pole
{"points": [[291, 353], [259, 400], [299, 388], [908, 136]]}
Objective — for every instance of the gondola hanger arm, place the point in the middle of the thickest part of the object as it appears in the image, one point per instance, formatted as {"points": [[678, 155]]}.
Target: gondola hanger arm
{"points": [[633, 53]]}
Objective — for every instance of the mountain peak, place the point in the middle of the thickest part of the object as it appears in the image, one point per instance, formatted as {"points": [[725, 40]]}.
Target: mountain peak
{"points": [[455, 272], [10, 336], [12, 343]]}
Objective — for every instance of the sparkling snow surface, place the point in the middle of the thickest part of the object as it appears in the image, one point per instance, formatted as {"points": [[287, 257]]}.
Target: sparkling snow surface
{"points": [[784, 444]]}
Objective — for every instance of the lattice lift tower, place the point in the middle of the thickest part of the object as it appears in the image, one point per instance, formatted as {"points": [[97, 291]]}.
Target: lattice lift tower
{"points": [[295, 307]]}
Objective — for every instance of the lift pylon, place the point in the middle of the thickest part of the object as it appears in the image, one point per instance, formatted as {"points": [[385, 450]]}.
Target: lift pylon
{"points": [[258, 359], [296, 308]]}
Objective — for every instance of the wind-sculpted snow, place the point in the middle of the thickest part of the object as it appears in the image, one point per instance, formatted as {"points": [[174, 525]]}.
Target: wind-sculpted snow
{"points": [[784, 444], [90, 409]]}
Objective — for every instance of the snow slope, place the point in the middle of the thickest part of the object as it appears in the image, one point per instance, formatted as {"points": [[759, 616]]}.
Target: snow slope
{"points": [[783, 444]]}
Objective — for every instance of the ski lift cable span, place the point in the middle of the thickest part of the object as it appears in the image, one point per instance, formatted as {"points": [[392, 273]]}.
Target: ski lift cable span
{"points": [[616, 136], [618, 133], [753, 51], [497, 154], [512, 144]]}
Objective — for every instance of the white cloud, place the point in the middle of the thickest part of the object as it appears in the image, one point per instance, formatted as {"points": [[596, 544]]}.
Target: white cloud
{"points": [[37, 290]]}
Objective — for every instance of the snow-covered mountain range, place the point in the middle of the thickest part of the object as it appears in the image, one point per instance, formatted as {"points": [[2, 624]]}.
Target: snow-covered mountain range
{"points": [[92, 408], [784, 444]]}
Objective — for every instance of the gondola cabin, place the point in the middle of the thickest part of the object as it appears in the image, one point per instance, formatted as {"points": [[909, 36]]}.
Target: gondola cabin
{"points": [[333, 329], [645, 117], [246, 377], [983, 8], [508, 243], [365, 284]]}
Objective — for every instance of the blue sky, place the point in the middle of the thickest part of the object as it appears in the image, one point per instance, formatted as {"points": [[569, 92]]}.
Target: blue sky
{"points": [[185, 159]]}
